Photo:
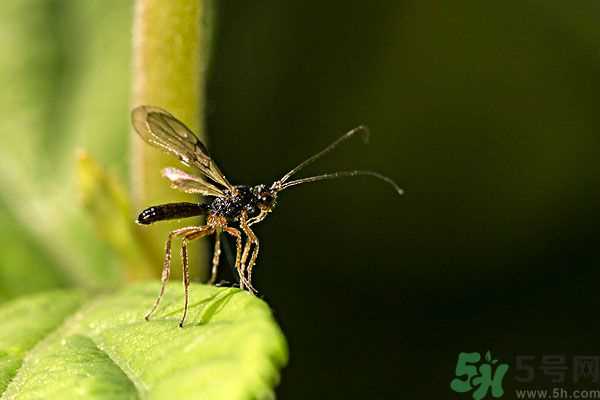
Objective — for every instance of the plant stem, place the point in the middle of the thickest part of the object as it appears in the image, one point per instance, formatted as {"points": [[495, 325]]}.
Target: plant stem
{"points": [[170, 54]]}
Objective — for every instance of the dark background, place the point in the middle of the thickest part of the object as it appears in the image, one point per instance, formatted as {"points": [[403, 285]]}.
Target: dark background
{"points": [[486, 114]]}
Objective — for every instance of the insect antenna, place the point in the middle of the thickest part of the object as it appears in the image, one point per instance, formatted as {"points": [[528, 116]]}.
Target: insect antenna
{"points": [[342, 174], [284, 184], [359, 129]]}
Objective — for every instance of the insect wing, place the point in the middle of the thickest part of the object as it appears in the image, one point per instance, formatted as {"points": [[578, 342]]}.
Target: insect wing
{"points": [[161, 129], [190, 184]]}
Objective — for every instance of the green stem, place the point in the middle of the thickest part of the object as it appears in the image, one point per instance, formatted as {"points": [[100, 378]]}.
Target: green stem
{"points": [[170, 54]]}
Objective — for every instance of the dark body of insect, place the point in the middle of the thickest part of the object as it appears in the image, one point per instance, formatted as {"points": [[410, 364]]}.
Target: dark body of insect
{"points": [[229, 209], [250, 200]]}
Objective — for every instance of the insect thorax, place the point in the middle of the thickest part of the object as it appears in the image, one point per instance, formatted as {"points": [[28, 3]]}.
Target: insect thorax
{"points": [[231, 206]]}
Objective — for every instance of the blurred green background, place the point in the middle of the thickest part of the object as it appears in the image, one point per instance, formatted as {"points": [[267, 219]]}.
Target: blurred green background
{"points": [[485, 113]]}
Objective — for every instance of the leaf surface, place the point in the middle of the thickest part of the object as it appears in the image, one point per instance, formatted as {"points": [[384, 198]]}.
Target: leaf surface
{"points": [[59, 345]]}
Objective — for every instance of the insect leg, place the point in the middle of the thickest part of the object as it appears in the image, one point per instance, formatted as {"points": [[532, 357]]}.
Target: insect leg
{"points": [[198, 233], [253, 259], [254, 220], [167, 266], [238, 236], [252, 239], [186, 278], [244, 226], [246, 252], [216, 256]]}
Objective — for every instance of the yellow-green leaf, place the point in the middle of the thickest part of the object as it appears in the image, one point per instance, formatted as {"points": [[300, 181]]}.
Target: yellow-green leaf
{"points": [[230, 348]]}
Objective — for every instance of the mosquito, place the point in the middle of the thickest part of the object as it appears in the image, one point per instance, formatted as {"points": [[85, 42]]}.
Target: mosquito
{"points": [[229, 209]]}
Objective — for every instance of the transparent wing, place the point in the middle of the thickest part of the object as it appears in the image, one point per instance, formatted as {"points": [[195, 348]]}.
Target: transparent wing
{"points": [[188, 183], [161, 129]]}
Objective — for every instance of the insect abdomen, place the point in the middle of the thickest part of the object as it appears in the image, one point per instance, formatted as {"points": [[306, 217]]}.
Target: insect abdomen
{"points": [[170, 211]]}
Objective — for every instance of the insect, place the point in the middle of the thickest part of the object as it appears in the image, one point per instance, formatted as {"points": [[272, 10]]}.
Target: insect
{"points": [[229, 209]]}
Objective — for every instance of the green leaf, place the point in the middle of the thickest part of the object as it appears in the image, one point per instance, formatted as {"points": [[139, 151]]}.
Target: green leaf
{"points": [[25, 267], [69, 82], [25, 322], [230, 347]]}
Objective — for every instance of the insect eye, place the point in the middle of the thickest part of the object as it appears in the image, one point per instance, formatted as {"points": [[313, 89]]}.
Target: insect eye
{"points": [[265, 197]]}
